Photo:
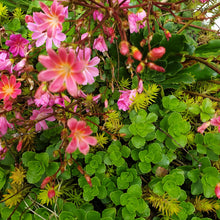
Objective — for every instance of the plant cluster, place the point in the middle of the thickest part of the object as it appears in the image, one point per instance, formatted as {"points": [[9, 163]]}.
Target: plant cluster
{"points": [[109, 110]]}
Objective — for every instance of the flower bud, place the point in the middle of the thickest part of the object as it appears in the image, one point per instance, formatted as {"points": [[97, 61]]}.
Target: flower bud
{"points": [[156, 53], [168, 34], [106, 103], [153, 66], [19, 146], [140, 86], [51, 193], [124, 47], [28, 18], [140, 67], [45, 182], [217, 190], [202, 128], [88, 179], [80, 169], [136, 53]]}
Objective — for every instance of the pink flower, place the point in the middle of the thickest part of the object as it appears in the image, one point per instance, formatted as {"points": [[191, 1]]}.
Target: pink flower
{"points": [[216, 122], [63, 69], [17, 45], [47, 26], [202, 128], [126, 99], [80, 134], [217, 190], [44, 100], [136, 21], [156, 53], [9, 88], [99, 44], [97, 15], [5, 62], [41, 115], [4, 125], [89, 71]]}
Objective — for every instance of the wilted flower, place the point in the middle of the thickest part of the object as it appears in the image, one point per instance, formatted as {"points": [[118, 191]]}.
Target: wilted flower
{"points": [[63, 69], [80, 134], [99, 44], [4, 125], [17, 45], [41, 115], [5, 62], [216, 122]]}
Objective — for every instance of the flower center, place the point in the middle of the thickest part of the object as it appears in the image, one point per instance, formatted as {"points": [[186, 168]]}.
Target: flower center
{"points": [[8, 90]]}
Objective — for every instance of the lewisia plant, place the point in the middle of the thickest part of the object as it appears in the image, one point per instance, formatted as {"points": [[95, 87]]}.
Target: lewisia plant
{"points": [[66, 70]]}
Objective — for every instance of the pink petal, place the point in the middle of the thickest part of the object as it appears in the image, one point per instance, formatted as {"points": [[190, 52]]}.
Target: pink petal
{"points": [[46, 61], [41, 40], [71, 86], [47, 75], [94, 61], [72, 146], [83, 147], [57, 84], [71, 123], [91, 140], [62, 54], [53, 56]]}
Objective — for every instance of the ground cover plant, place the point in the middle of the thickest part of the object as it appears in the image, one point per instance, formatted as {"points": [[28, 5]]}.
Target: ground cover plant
{"points": [[109, 110]]}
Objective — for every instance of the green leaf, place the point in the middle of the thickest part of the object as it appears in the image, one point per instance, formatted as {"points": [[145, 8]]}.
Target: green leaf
{"points": [[212, 48], [193, 175], [52, 168], [66, 215], [138, 141], [212, 140], [135, 190], [144, 167], [127, 214], [43, 157], [28, 156], [13, 25], [115, 196], [91, 125], [109, 212], [35, 171], [92, 215], [2, 178]]}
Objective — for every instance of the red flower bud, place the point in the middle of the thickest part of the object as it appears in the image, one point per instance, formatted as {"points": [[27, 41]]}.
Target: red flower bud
{"points": [[51, 193], [19, 146], [45, 182], [136, 53], [124, 47], [168, 34], [156, 53], [217, 190], [153, 66], [140, 67], [88, 179], [80, 169]]}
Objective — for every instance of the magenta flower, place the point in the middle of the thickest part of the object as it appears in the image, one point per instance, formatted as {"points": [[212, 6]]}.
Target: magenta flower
{"points": [[41, 115], [47, 26], [5, 62], [99, 44], [126, 99], [4, 125], [89, 71], [216, 122], [97, 15], [63, 69], [80, 134], [17, 45]]}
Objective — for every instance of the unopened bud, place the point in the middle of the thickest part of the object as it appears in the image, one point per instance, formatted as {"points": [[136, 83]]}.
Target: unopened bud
{"points": [[124, 47], [19, 146], [140, 67], [80, 169], [156, 53], [153, 66], [51, 193], [28, 18], [168, 34], [88, 179], [55, 153], [45, 182], [106, 103], [136, 53], [217, 190]]}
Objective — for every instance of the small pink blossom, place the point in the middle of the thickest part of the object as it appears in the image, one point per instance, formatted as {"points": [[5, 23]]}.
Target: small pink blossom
{"points": [[41, 115], [202, 128], [17, 45], [216, 122], [136, 21], [97, 15], [89, 71], [126, 99], [4, 125], [63, 69], [99, 44], [80, 134], [5, 62]]}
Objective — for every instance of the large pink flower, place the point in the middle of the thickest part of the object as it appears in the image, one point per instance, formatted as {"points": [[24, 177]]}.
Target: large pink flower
{"points": [[90, 71], [4, 125], [17, 45], [9, 88], [47, 26], [80, 134], [126, 99], [63, 69], [41, 115]]}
